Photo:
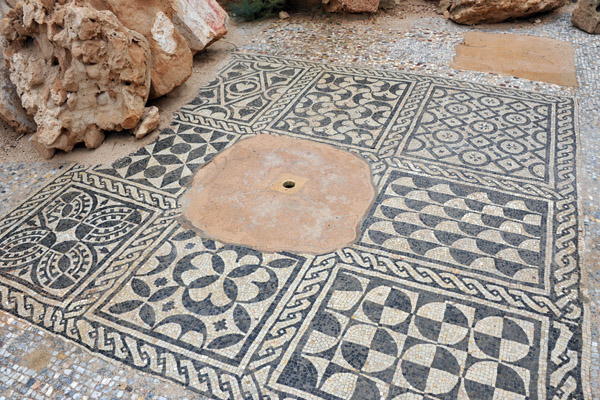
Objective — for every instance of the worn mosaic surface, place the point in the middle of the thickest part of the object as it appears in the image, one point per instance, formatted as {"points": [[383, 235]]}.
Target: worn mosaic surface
{"points": [[463, 283]]}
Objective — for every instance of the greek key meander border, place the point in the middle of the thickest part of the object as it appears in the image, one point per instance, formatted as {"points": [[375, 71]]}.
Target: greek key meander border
{"points": [[565, 313]]}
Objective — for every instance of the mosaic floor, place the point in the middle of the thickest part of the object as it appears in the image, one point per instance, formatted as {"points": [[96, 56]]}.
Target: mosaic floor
{"points": [[464, 282]]}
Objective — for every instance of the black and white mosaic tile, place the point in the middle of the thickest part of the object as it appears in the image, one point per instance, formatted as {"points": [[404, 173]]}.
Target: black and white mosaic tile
{"points": [[464, 282]]}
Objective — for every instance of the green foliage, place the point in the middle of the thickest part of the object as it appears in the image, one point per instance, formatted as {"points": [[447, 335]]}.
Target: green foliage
{"points": [[250, 10]]}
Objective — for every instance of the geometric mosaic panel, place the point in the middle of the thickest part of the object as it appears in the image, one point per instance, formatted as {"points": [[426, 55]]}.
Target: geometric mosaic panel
{"points": [[504, 135], [63, 241], [244, 91], [460, 226], [384, 340], [169, 163], [345, 109], [464, 282], [202, 297]]}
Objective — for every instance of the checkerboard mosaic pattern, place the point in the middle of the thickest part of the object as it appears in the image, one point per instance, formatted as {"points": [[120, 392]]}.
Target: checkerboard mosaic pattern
{"points": [[463, 283]]}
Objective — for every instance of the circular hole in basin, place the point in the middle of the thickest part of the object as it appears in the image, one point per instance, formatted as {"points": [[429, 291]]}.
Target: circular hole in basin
{"points": [[289, 184]]}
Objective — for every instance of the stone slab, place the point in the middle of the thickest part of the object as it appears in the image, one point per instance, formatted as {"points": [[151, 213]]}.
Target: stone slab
{"points": [[275, 193], [535, 58]]}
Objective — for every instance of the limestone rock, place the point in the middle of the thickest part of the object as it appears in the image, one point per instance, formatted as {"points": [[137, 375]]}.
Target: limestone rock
{"points": [[351, 6], [11, 110], [78, 71], [149, 122], [471, 12], [587, 16], [6, 5], [172, 58], [4, 8], [201, 22]]}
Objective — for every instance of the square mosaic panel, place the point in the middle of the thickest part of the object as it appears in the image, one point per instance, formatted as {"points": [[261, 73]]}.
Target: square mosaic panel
{"points": [[69, 233], [504, 135], [464, 282], [345, 109], [244, 92], [372, 338], [477, 230], [211, 300]]}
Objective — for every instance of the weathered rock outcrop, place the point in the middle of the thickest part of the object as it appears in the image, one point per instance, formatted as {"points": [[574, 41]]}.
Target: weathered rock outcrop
{"points": [[587, 16], [201, 22], [82, 67], [351, 6], [471, 12], [6, 5], [4, 8], [11, 110], [78, 71], [172, 58]]}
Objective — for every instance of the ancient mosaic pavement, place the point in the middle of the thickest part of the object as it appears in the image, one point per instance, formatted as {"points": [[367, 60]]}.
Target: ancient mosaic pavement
{"points": [[463, 283]]}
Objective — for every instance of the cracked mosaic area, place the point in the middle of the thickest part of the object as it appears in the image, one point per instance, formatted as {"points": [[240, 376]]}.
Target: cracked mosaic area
{"points": [[464, 282]]}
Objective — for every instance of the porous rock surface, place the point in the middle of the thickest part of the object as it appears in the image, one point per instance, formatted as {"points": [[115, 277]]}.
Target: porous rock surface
{"points": [[172, 58], [351, 6], [78, 71], [11, 110], [471, 12], [587, 16], [80, 67]]}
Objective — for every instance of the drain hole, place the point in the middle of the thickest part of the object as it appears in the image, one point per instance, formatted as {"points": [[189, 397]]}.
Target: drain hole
{"points": [[289, 184]]}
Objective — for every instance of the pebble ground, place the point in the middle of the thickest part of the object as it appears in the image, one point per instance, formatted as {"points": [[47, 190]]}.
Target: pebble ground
{"points": [[19, 180], [37, 365]]}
